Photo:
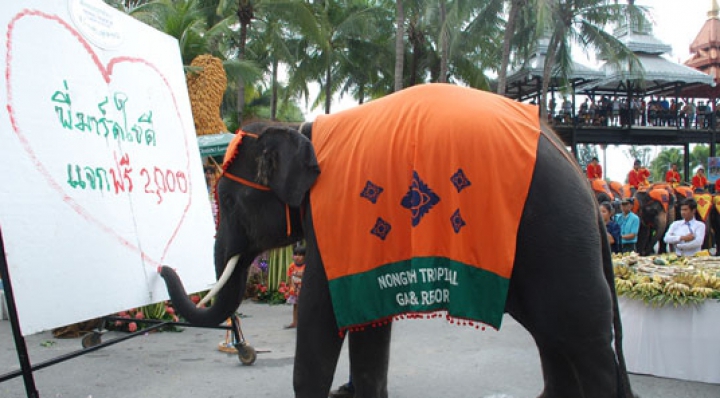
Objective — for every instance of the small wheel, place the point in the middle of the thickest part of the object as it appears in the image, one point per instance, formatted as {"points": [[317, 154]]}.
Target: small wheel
{"points": [[91, 340], [246, 354]]}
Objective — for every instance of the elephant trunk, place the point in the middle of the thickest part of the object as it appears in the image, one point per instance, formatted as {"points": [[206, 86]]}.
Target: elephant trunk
{"points": [[227, 301]]}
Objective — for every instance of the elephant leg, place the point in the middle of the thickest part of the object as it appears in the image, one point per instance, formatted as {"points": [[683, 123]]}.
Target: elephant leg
{"points": [[558, 289], [572, 364], [318, 341], [369, 361]]}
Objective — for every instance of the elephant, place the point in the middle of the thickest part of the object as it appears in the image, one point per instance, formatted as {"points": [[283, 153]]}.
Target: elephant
{"points": [[707, 212], [652, 207], [561, 283]]}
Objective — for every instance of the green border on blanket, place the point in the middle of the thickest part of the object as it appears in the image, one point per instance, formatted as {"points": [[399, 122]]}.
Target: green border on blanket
{"points": [[420, 285]]}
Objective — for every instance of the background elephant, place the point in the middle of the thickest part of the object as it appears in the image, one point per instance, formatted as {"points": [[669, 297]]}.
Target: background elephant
{"points": [[561, 288], [652, 208], [707, 213]]}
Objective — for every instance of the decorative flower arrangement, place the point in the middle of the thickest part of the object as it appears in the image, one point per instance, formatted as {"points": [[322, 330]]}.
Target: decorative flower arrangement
{"points": [[271, 296], [667, 279], [159, 311]]}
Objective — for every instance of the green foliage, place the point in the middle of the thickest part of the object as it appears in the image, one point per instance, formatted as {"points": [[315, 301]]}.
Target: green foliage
{"points": [[699, 156], [661, 164], [641, 153]]}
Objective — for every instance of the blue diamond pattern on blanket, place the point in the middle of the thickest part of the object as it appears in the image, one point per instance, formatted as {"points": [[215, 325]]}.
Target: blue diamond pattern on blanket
{"points": [[460, 180], [419, 199], [457, 221], [371, 192], [381, 229]]}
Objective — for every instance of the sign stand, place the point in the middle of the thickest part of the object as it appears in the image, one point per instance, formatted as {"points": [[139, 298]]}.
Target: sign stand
{"points": [[246, 353], [20, 345]]}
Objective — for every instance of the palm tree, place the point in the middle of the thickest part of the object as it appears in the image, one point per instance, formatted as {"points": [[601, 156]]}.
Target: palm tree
{"points": [[661, 164], [582, 21], [399, 44], [513, 13], [334, 25]]}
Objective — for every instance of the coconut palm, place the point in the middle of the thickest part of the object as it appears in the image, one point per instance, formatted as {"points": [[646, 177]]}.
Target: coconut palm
{"points": [[328, 29], [513, 15], [583, 22]]}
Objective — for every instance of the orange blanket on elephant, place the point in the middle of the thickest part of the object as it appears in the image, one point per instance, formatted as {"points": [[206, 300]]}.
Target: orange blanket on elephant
{"points": [[419, 200]]}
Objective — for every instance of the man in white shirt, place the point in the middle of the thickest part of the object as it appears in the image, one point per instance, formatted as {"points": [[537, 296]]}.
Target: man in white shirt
{"points": [[687, 234]]}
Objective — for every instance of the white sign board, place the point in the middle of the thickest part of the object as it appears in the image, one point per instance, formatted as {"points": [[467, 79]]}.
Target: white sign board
{"points": [[100, 175]]}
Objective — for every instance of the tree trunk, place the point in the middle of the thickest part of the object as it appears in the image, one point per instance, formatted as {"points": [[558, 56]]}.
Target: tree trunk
{"points": [[274, 99], [241, 83], [444, 43], [328, 88], [547, 73], [509, 32], [399, 45]]}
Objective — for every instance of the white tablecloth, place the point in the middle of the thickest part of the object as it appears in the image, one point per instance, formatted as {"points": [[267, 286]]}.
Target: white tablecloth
{"points": [[679, 343]]}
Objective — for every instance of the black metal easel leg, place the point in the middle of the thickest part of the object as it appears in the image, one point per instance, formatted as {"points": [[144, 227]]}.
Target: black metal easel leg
{"points": [[20, 345]]}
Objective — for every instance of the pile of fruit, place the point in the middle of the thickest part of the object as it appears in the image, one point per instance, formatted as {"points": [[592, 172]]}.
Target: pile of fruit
{"points": [[667, 279]]}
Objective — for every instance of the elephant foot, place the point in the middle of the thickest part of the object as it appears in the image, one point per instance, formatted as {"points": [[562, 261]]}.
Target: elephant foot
{"points": [[344, 391]]}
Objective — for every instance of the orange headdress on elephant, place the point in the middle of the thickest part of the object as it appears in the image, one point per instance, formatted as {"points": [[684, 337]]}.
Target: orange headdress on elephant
{"points": [[684, 192], [661, 195], [601, 186]]}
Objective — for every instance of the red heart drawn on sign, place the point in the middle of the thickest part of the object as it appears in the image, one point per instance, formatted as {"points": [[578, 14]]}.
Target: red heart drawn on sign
{"points": [[111, 130]]}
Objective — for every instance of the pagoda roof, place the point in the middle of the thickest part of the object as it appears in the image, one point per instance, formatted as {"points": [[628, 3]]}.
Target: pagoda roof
{"points": [[709, 36], [658, 75]]}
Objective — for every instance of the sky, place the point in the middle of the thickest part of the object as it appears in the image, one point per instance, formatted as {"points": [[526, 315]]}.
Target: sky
{"points": [[675, 22]]}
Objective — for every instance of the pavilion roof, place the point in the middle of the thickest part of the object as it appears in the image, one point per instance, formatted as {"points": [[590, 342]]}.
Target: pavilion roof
{"points": [[524, 82], [658, 74]]}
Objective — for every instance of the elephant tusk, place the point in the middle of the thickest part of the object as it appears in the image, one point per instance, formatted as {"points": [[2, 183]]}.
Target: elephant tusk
{"points": [[229, 268]]}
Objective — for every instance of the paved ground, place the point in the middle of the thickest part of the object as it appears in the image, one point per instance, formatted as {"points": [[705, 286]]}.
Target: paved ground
{"points": [[429, 358]]}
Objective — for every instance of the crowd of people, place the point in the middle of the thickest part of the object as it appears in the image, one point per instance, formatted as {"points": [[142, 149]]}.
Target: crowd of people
{"points": [[685, 236], [619, 111]]}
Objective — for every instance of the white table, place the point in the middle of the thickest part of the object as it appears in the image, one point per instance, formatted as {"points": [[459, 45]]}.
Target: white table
{"points": [[679, 343]]}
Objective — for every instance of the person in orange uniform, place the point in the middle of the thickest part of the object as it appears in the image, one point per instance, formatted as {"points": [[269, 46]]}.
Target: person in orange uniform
{"points": [[699, 181], [594, 170], [638, 176], [672, 176]]}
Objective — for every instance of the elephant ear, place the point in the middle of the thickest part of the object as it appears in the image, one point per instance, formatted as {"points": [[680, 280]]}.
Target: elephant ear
{"points": [[287, 164]]}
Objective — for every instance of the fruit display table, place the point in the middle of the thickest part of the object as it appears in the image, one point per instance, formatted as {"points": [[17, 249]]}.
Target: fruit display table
{"points": [[675, 342]]}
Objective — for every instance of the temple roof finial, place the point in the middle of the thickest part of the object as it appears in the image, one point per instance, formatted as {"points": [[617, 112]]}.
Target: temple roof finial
{"points": [[714, 10]]}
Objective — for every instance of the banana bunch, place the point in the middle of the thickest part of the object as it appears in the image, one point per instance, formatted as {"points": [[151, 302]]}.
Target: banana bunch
{"points": [[623, 286], [648, 289], [676, 289], [622, 271], [710, 280], [702, 292]]}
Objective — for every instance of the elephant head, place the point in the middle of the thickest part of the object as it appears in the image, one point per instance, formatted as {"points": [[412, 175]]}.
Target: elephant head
{"points": [[265, 180]]}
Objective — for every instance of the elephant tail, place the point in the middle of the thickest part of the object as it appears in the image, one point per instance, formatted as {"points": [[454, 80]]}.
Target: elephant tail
{"points": [[624, 389]]}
